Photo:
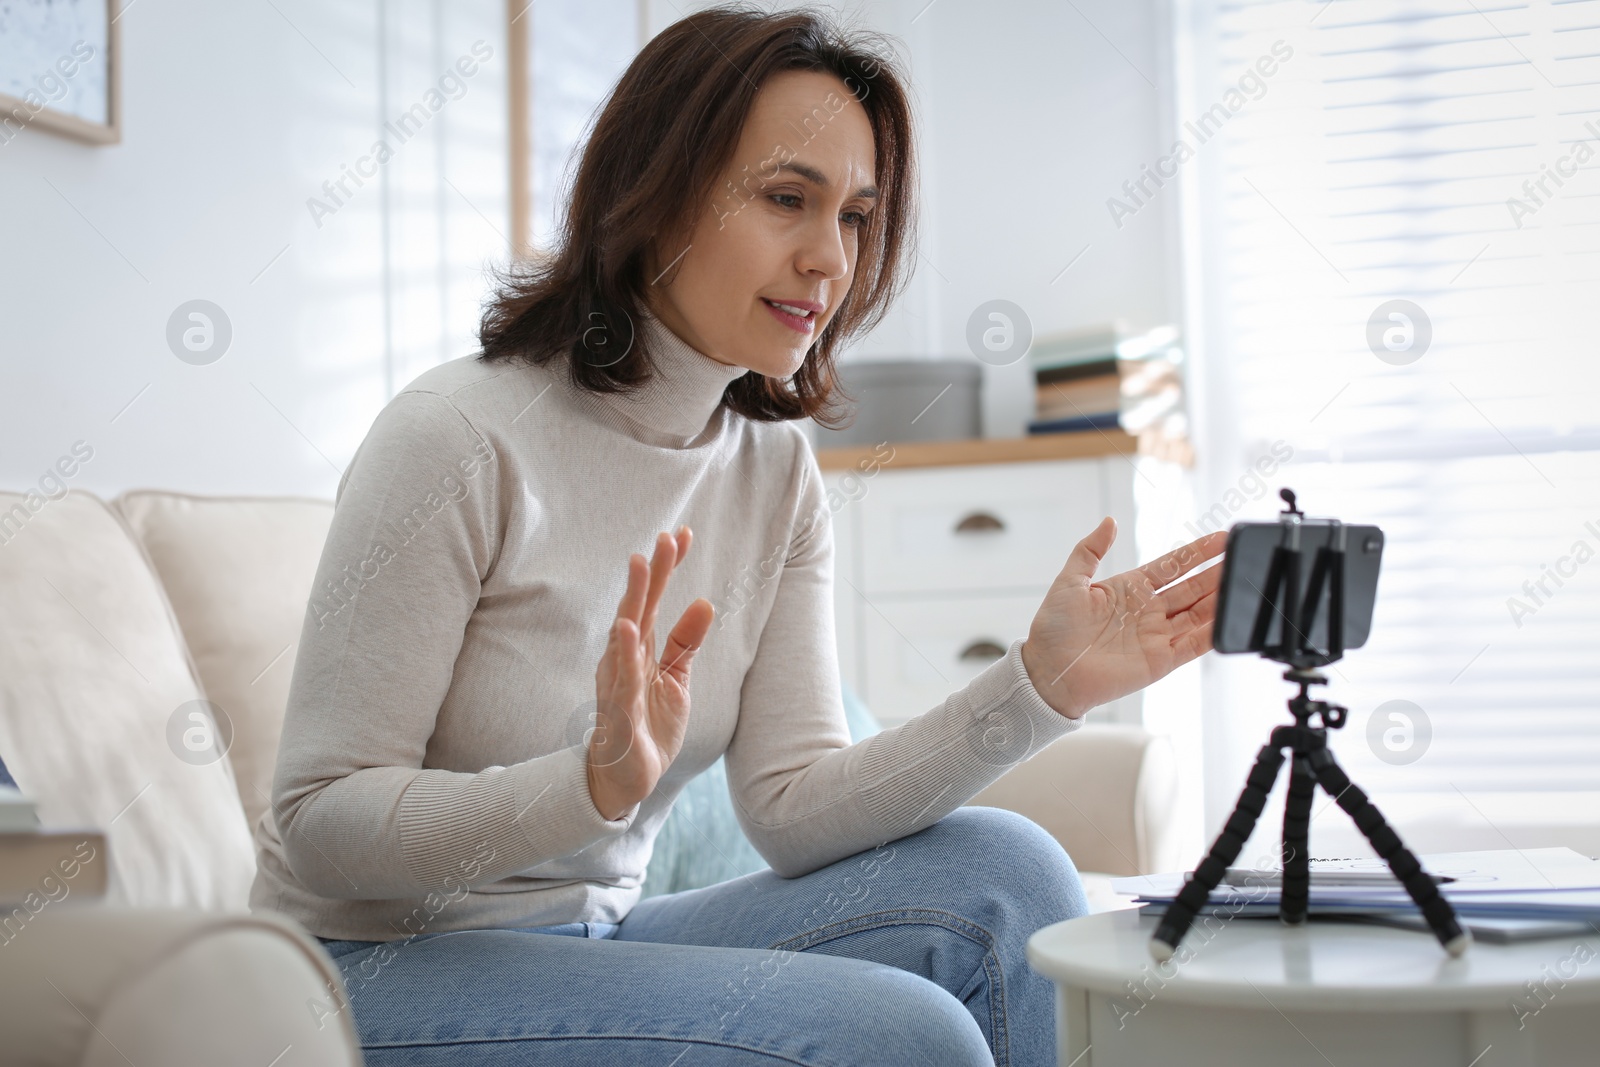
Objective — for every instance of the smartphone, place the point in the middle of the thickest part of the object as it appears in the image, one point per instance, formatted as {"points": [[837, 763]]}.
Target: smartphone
{"points": [[1245, 622]]}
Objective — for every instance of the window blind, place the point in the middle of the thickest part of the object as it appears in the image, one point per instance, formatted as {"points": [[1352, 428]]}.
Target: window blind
{"points": [[1401, 247]]}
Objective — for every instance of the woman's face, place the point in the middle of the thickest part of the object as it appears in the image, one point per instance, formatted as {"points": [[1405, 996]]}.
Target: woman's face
{"points": [[781, 229]]}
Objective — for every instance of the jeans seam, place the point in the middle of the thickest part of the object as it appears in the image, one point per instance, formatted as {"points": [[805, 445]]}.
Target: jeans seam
{"points": [[782, 1057], [932, 917]]}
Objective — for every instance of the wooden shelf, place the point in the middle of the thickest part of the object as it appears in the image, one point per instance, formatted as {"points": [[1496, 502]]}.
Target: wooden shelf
{"points": [[1087, 444]]}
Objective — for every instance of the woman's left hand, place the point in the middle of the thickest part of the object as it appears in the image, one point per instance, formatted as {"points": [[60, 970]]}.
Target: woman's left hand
{"points": [[1092, 642]]}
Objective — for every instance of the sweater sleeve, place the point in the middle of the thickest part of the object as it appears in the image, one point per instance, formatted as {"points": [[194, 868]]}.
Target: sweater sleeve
{"points": [[804, 795], [416, 529]]}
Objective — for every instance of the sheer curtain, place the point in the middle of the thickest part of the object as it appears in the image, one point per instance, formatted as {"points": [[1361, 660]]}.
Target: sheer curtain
{"points": [[1391, 246]]}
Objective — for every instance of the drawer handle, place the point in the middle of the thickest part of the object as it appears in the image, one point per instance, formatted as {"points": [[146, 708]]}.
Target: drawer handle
{"points": [[982, 650], [980, 522]]}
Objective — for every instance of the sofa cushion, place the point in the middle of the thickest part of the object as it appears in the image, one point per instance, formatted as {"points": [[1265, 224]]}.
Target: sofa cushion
{"points": [[96, 690], [701, 842], [238, 572], [1107, 792]]}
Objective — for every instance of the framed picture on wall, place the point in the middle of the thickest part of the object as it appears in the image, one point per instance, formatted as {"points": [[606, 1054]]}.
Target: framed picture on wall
{"points": [[59, 66]]}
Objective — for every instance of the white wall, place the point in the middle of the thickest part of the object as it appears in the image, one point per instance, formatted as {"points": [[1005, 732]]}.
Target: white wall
{"points": [[1034, 119], [234, 116], [1030, 116]]}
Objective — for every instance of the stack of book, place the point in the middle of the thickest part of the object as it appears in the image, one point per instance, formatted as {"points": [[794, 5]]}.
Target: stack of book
{"points": [[39, 867], [1500, 896], [1104, 378]]}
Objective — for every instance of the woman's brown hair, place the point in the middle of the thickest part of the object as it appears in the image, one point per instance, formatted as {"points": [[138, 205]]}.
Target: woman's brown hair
{"points": [[660, 143]]}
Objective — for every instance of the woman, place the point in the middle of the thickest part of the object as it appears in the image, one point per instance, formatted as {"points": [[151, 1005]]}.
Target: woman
{"points": [[482, 739]]}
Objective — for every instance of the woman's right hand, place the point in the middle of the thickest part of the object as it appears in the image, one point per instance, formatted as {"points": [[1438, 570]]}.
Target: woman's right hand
{"points": [[642, 705]]}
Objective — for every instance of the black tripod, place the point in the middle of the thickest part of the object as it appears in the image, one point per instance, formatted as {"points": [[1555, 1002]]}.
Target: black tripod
{"points": [[1312, 764]]}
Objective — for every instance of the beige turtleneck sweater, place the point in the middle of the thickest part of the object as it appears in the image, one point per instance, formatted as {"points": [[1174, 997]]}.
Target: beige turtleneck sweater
{"points": [[431, 775]]}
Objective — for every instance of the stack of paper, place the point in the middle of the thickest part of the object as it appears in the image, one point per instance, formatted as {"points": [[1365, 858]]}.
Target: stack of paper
{"points": [[1504, 895]]}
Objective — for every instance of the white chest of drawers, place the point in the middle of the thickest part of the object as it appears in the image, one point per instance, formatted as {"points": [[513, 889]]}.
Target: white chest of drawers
{"points": [[944, 551]]}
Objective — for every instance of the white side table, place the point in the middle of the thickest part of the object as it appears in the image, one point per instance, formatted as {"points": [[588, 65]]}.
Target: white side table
{"points": [[1242, 992]]}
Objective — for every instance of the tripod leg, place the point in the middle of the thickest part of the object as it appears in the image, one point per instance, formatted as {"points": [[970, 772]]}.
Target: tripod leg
{"points": [[1369, 820], [1181, 913], [1297, 842]]}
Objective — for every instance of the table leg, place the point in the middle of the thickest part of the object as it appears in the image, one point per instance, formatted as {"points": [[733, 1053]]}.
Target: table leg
{"points": [[1494, 1039], [1072, 1027]]}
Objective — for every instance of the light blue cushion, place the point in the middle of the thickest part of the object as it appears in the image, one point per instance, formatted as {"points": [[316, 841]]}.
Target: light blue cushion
{"points": [[701, 843]]}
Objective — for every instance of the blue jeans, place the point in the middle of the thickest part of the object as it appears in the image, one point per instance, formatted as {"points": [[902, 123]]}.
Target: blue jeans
{"points": [[911, 953]]}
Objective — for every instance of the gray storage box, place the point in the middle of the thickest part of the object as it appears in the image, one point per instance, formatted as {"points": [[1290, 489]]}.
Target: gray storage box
{"points": [[908, 400]]}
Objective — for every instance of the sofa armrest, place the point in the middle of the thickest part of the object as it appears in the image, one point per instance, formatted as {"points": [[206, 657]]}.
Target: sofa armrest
{"points": [[89, 986], [1107, 792]]}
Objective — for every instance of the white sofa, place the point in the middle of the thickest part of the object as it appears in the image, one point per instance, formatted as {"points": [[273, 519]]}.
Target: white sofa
{"points": [[118, 616]]}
